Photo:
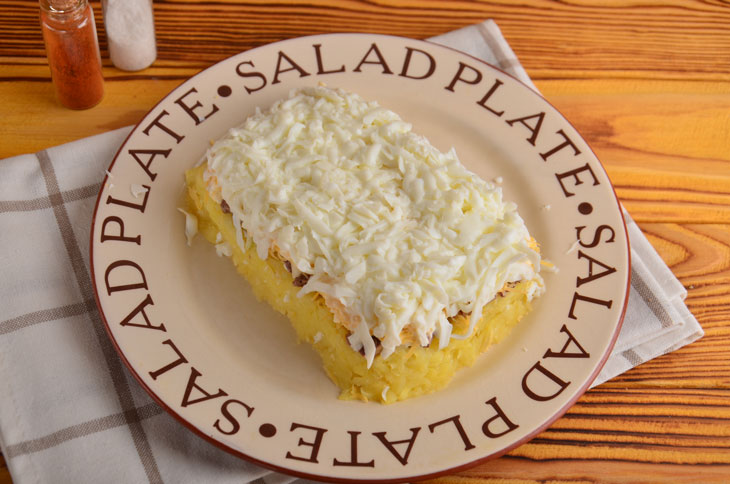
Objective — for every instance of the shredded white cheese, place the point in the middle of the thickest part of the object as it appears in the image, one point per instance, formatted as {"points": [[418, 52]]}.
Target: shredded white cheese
{"points": [[191, 225], [223, 249], [573, 247], [396, 235], [137, 190]]}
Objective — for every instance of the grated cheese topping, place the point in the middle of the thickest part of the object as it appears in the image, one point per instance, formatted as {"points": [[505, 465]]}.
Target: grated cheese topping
{"points": [[191, 226], [395, 235]]}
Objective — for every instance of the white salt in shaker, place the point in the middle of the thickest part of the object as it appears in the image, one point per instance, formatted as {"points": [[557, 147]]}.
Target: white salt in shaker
{"points": [[130, 32]]}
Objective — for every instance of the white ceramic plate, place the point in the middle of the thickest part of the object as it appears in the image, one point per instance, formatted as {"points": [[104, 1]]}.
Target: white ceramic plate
{"points": [[229, 367]]}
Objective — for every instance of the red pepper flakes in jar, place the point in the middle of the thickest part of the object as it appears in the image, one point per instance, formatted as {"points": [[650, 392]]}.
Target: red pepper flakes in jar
{"points": [[73, 53]]}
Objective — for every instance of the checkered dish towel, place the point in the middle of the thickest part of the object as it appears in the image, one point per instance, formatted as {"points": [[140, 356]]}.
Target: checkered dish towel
{"points": [[69, 409]]}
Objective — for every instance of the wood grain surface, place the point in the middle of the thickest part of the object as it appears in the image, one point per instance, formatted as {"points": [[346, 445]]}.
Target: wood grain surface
{"points": [[648, 86]]}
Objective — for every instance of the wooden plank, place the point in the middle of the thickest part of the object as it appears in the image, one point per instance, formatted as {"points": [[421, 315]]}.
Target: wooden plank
{"points": [[566, 471], [647, 39], [5, 477], [665, 145]]}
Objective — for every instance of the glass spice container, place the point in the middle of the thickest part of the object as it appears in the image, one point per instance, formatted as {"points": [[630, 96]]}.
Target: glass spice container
{"points": [[72, 48], [130, 32]]}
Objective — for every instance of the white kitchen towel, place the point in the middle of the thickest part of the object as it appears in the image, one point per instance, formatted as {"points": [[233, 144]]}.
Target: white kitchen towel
{"points": [[70, 412]]}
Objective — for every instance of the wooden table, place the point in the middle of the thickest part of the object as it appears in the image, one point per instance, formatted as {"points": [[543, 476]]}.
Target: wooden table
{"points": [[647, 85]]}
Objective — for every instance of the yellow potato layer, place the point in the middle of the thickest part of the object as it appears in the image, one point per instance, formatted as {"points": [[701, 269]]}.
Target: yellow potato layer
{"points": [[408, 372]]}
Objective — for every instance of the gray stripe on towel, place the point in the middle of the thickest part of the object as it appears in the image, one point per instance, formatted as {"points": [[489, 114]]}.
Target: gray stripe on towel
{"points": [[651, 300], [80, 430], [42, 203], [83, 280], [45, 315], [633, 357]]}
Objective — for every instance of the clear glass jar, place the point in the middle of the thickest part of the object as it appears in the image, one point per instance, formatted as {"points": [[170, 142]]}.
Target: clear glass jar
{"points": [[130, 33], [72, 48]]}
